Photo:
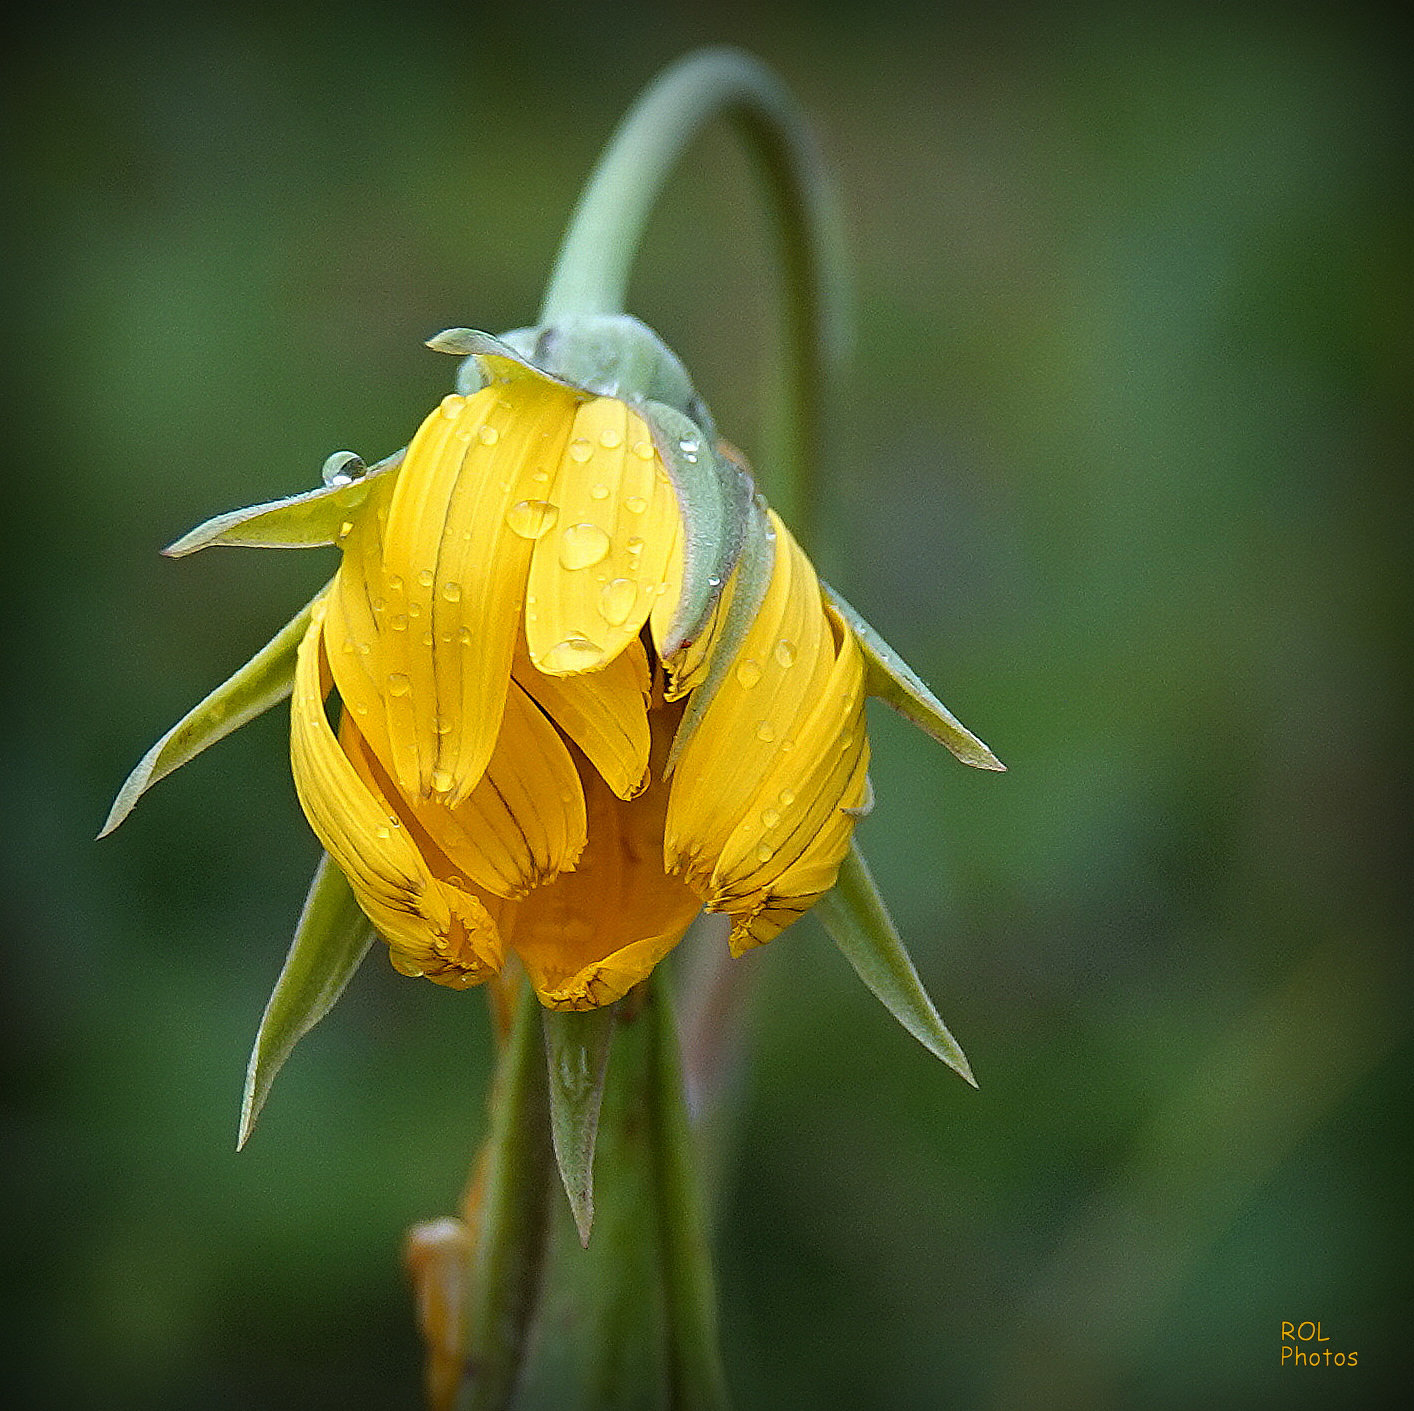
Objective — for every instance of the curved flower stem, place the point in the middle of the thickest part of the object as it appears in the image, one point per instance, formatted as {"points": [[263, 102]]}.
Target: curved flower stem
{"points": [[591, 274]]}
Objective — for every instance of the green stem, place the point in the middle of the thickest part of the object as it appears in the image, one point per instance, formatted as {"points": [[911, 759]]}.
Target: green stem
{"points": [[695, 1373], [510, 1235], [591, 274]]}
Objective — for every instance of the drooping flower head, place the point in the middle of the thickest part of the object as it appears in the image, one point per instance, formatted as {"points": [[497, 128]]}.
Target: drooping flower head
{"points": [[572, 681], [552, 739]]}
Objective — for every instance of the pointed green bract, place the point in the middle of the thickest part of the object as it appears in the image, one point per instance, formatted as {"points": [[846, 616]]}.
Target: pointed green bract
{"points": [[754, 567], [330, 942], [577, 1047], [894, 682], [859, 924], [264, 681], [304, 521], [715, 498]]}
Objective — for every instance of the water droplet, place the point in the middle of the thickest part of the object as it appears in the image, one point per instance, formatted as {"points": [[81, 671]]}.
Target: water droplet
{"points": [[687, 447], [764, 853], [452, 592], [488, 435], [643, 450], [342, 468], [398, 622], [616, 600], [379, 604], [582, 545], [452, 405], [349, 647], [414, 609], [634, 545], [769, 817], [609, 438], [785, 652], [345, 529], [599, 492], [364, 648], [398, 684], [464, 637], [442, 780], [576, 653], [748, 672], [395, 584], [787, 796], [441, 725], [532, 518], [384, 833], [765, 731], [427, 639], [425, 577], [360, 708], [635, 504], [714, 581], [580, 450]]}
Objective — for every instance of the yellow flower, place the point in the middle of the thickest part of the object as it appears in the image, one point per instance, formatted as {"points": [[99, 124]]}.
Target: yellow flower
{"points": [[540, 745]]}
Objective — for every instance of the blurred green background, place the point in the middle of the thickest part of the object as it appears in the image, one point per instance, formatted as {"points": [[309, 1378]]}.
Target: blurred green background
{"points": [[1122, 467]]}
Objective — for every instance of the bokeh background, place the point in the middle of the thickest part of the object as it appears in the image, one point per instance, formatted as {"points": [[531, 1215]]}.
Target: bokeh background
{"points": [[1121, 465]]}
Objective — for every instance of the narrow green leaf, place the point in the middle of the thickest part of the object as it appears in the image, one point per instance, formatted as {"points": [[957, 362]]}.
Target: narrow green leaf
{"points": [[577, 1054], [330, 941], [894, 682], [859, 924], [264, 681], [714, 497], [753, 577], [304, 521], [513, 1216]]}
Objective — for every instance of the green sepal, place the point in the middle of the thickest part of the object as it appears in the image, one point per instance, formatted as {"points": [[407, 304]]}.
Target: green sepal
{"points": [[264, 681], [754, 567], [715, 498], [331, 940], [577, 1047], [304, 521], [858, 922], [603, 355], [894, 682]]}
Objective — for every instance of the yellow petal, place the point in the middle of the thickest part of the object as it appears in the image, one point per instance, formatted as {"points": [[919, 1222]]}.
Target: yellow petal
{"points": [[752, 723], [598, 572], [523, 823], [590, 936], [432, 925], [448, 588], [604, 712]]}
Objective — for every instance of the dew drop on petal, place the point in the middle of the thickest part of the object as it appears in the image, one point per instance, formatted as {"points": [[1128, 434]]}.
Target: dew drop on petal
{"points": [[425, 577], [464, 637], [452, 405], [398, 622], [398, 684], [635, 504], [599, 492], [531, 518], [609, 438], [452, 592], [441, 725], [582, 545], [765, 731], [580, 450], [785, 652], [764, 853], [643, 450], [488, 435], [787, 796], [442, 780], [395, 584], [748, 672], [616, 600], [769, 818], [575, 653]]}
